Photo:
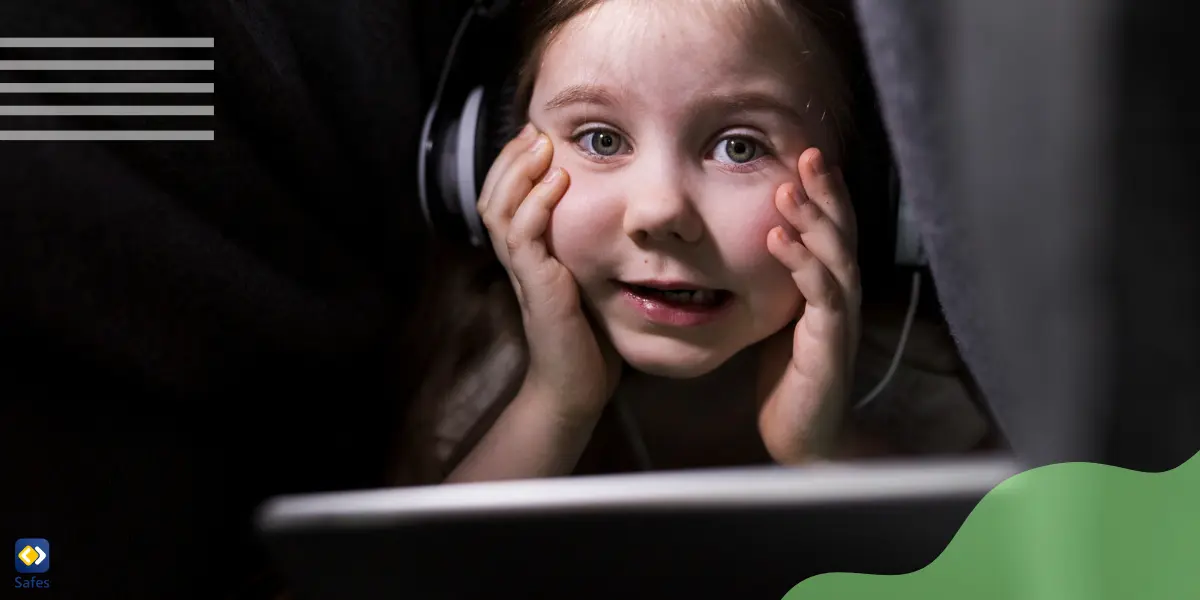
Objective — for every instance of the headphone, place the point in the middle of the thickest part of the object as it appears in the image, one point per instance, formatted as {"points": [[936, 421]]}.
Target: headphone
{"points": [[469, 122]]}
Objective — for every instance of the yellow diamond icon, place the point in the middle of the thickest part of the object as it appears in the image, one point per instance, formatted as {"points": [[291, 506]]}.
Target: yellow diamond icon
{"points": [[27, 555]]}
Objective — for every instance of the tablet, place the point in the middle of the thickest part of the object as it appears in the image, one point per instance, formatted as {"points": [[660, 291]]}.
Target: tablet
{"points": [[729, 533]]}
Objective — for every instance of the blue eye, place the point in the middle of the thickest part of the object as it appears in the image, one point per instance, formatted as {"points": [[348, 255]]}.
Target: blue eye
{"points": [[601, 142], [737, 150]]}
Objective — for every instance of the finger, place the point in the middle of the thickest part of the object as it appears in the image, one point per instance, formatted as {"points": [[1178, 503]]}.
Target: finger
{"points": [[500, 166], [823, 311], [515, 183], [502, 162], [821, 238], [525, 236], [826, 187], [511, 187]]}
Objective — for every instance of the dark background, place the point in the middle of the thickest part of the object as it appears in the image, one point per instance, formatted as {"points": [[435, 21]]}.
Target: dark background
{"points": [[186, 328]]}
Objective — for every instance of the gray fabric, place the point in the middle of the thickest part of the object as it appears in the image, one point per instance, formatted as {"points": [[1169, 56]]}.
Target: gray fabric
{"points": [[1046, 149], [1029, 139], [905, 46]]}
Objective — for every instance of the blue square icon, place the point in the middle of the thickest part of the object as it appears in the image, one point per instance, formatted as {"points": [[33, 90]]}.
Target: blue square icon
{"points": [[32, 555]]}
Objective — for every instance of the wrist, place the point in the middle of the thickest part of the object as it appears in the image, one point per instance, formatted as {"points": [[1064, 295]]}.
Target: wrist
{"points": [[569, 408]]}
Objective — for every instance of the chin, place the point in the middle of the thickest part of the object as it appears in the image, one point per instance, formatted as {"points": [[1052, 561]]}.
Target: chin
{"points": [[666, 357], [673, 370]]}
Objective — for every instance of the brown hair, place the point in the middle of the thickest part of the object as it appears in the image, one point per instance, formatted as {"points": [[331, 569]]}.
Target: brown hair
{"points": [[470, 322]]}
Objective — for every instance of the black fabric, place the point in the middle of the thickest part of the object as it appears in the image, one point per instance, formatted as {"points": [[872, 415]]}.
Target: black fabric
{"points": [[1155, 424], [188, 327]]}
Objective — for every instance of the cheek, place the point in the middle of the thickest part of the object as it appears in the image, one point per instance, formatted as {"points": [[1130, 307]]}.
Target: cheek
{"points": [[741, 234], [740, 230], [586, 221]]}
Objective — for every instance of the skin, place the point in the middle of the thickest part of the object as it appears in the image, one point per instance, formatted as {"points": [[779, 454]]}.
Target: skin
{"points": [[615, 179], [670, 202]]}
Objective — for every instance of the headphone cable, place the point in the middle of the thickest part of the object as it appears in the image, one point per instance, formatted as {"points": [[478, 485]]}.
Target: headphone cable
{"points": [[909, 317]]}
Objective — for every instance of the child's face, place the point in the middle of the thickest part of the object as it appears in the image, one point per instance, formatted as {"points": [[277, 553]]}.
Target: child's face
{"points": [[676, 133]]}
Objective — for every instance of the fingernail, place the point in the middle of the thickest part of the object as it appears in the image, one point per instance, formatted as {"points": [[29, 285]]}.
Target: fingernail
{"points": [[797, 199], [552, 176], [527, 132], [783, 236], [539, 144], [818, 163]]}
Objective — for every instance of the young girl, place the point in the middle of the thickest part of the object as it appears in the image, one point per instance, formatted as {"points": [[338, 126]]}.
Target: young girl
{"points": [[679, 283]]}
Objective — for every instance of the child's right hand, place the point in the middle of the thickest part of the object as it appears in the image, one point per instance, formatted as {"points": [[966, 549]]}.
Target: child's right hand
{"points": [[569, 363]]}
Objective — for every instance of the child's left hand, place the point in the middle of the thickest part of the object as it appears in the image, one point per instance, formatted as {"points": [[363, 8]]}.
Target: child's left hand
{"points": [[806, 376]]}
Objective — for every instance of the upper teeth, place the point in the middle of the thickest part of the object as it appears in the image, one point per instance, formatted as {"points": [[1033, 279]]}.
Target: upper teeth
{"points": [[693, 296]]}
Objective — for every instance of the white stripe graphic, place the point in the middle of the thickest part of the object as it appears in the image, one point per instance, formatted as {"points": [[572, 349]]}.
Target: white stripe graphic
{"points": [[87, 88], [106, 65], [86, 42], [106, 111], [106, 88], [53, 135]]}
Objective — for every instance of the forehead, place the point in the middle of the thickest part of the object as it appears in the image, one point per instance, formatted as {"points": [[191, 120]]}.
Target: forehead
{"points": [[676, 47]]}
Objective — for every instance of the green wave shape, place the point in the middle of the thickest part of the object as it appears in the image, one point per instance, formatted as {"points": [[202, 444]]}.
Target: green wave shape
{"points": [[1072, 531]]}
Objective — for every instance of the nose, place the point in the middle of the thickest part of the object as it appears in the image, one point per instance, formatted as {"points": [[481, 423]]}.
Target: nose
{"points": [[662, 209]]}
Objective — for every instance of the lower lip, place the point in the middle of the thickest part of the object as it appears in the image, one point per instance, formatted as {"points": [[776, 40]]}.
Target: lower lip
{"points": [[664, 313]]}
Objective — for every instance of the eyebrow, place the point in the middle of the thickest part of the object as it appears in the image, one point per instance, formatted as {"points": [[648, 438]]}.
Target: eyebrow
{"points": [[749, 101], [753, 102], [581, 94]]}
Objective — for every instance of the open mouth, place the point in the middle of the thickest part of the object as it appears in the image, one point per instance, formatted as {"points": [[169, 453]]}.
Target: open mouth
{"points": [[680, 298]]}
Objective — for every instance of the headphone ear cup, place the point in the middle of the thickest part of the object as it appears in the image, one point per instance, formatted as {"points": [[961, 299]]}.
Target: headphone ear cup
{"points": [[494, 127], [501, 122], [468, 123]]}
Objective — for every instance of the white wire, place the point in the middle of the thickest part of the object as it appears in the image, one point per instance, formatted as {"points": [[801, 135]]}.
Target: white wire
{"points": [[908, 321]]}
